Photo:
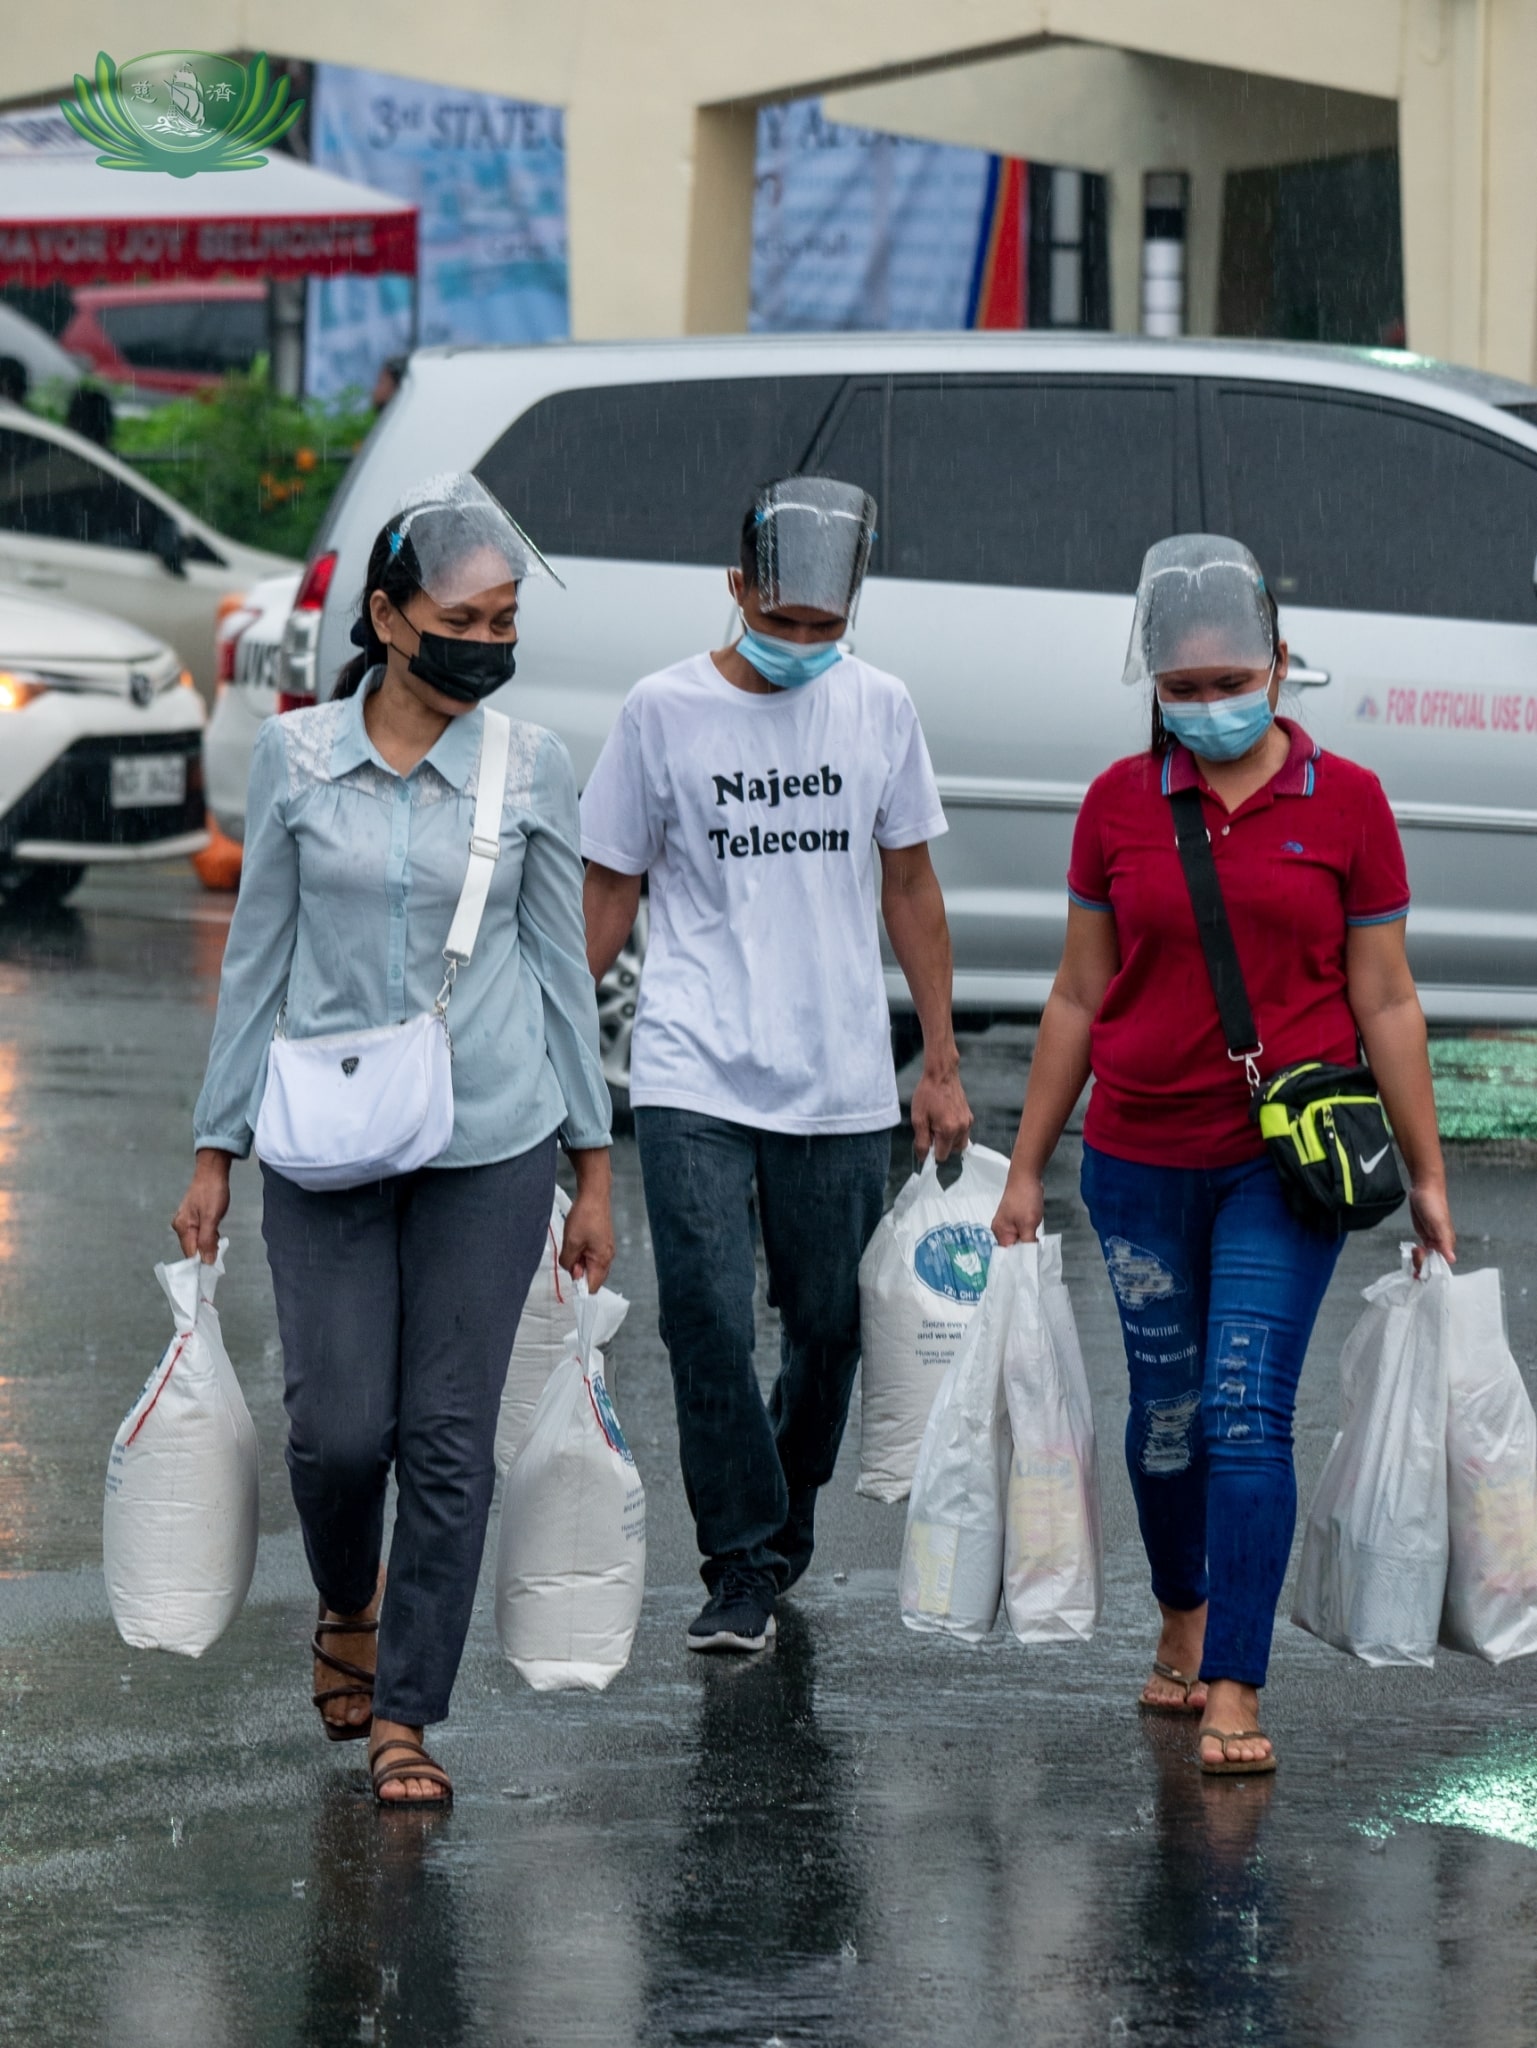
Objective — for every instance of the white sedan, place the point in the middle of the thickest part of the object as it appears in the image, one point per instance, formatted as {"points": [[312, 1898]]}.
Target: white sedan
{"points": [[101, 734], [247, 656]]}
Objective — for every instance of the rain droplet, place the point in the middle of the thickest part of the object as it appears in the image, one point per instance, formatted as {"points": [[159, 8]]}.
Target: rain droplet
{"points": [[849, 1953], [842, 1578], [175, 1834], [1377, 1846], [389, 1981], [1119, 2031], [298, 1887], [366, 2027]]}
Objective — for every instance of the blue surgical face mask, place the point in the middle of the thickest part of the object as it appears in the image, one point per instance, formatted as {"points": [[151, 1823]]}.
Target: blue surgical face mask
{"points": [[787, 664], [1224, 730]]}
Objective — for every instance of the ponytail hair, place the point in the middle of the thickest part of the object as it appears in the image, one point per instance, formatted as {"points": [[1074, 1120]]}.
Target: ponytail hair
{"points": [[392, 568], [1161, 739]]}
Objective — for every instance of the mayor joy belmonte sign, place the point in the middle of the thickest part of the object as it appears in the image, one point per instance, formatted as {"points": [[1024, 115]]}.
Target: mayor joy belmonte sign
{"points": [[181, 111]]}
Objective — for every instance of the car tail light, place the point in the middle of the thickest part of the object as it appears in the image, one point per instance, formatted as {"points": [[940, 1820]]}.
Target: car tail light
{"points": [[301, 634], [316, 586]]}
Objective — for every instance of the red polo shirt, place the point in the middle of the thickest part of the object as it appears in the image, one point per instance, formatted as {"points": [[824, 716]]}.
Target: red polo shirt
{"points": [[1313, 852]]}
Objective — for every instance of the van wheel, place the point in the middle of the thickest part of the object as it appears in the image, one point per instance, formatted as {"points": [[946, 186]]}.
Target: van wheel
{"points": [[617, 993], [38, 888]]}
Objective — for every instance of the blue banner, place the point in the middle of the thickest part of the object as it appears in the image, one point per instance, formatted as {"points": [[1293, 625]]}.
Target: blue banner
{"points": [[856, 229], [489, 176]]}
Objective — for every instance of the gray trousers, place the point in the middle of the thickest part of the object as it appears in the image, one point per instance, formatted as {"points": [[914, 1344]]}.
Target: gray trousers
{"points": [[397, 1305]]}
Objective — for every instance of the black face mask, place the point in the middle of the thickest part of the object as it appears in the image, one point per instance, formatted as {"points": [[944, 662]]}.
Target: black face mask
{"points": [[466, 670]]}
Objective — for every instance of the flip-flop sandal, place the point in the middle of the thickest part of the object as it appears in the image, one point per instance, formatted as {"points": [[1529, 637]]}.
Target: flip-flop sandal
{"points": [[362, 1687], [1237, 1767], [1167, 1671], [422, 1767]]}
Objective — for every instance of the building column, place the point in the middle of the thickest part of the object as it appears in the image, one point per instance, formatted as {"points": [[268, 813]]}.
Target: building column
{"points": [[659, 215], [718, 287], [1468, 166]]}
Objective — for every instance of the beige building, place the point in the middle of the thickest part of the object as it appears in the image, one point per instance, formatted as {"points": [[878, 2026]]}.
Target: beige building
{"points": [[661, 99]]}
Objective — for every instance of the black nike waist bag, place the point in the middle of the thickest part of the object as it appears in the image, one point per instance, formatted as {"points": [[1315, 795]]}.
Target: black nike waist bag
{"points": [[1324, 1126]]}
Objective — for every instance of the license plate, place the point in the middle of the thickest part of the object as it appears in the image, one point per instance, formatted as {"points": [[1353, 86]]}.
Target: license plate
{"points": [[143, 782]]}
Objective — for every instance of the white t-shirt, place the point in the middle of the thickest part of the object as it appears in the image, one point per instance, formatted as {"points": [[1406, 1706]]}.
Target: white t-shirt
{"points": [[762, 999]]}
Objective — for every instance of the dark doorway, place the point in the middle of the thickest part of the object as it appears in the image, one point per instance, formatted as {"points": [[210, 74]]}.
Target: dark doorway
{"points": [[1314, 252]]}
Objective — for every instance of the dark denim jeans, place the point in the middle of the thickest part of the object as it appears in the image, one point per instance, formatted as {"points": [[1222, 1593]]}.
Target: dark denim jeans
{"points": [[1218, 1286], [751, 1472], [397, 1306]]}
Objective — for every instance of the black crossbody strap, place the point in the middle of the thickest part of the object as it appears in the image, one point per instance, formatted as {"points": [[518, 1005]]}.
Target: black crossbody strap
{"points": [[1227, 981]]}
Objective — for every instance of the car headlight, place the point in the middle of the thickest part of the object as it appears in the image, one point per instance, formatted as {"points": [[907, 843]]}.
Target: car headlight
{"points": [[17, 690]]}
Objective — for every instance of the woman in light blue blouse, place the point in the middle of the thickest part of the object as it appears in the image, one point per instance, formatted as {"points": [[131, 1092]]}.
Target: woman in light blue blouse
{"points": [[398, 1301]]}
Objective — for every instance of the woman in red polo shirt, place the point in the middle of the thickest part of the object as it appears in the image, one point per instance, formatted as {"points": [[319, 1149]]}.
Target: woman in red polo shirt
{"points": [[1218, 1284]]}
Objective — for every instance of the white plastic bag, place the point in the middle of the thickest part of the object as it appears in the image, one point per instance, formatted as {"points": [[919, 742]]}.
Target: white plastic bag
{"points": [[952, 1552], [920, 1283], [1373, 1572], [549, 1317], [1053, 1577], [571, 1560], [1491, 1482], [179, 1522]]}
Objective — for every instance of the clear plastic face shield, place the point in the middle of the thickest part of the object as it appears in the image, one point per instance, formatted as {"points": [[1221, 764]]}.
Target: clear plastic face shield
{"points": [[1201, 604], [462, 542], [814, 540]]}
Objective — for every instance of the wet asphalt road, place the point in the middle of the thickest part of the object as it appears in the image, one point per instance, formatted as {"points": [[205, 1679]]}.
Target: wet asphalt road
{"points": [[865, 1838]]}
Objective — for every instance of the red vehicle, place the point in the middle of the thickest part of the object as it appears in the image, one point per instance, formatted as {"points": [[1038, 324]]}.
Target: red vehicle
{"points": [[170, 338]]}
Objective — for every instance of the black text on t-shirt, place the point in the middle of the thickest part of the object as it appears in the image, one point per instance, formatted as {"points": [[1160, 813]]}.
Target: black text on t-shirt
{"points": [[772, 790]]}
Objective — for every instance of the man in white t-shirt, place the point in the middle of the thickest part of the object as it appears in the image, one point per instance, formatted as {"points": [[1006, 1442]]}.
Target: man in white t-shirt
{"points": [[749, 784]]}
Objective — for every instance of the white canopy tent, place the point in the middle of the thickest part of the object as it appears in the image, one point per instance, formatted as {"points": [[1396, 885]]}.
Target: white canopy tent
{"points": [[65, 220]]}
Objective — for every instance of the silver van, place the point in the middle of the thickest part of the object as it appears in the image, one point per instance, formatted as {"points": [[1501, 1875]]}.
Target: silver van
{"points": [[1391, 500]]}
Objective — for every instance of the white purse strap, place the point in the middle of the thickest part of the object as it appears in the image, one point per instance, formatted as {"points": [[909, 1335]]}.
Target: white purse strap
{"points": [[485, 846]]}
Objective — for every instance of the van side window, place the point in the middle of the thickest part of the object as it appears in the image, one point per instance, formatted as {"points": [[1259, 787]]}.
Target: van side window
{"points": [[653, 472], [1367, 506], [1055, 485], [52, 493]]}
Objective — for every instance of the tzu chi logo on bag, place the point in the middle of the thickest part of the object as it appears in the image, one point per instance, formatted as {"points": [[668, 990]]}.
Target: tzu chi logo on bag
{"points": [[181, 111], [953, 1260]]}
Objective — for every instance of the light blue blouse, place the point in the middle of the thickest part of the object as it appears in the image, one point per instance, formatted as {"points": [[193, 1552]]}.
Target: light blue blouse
{"points": [[348, 888]]}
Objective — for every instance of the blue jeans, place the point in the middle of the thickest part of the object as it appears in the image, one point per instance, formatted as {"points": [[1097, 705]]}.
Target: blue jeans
{"points": [[751, 1472], [1218, 1286]]}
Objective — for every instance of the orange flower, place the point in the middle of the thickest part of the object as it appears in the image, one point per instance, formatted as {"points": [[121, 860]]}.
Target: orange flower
{"points": [[305, 459]]}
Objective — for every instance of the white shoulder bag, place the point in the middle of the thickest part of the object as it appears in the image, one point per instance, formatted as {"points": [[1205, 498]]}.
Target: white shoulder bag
{"points": [[356, 1106]]}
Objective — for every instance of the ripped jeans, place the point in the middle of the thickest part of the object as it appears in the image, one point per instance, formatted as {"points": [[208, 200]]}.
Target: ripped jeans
{"points": [[1218, 1286]]}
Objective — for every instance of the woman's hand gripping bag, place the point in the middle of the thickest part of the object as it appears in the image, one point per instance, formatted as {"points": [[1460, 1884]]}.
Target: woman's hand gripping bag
{"points": [[952, 1552], [1491, 1481], [549, 1317], [1374, 1558], [571, 1561], [1053, 1575], [920, 1284], [179, 1521]]}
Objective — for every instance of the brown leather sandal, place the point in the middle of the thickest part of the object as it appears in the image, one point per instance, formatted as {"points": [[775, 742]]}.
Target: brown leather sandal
{"points": [[422, 1767], [363, 1681], [1237, 1767], [1180, 1678]]}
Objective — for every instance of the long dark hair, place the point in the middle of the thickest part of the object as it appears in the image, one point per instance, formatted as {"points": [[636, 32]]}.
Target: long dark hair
{"points": [[392, 568], [1161, 739]]}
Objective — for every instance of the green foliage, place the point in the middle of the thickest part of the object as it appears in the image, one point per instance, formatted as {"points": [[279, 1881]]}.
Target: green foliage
{"points": [[256, 466]]}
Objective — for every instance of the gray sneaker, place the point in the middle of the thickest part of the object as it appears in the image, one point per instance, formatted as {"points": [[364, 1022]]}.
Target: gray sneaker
{"points": [[739, 1615]]}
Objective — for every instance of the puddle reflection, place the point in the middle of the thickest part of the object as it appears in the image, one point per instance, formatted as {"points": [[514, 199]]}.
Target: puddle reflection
{"points": [[383, 1952]]}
